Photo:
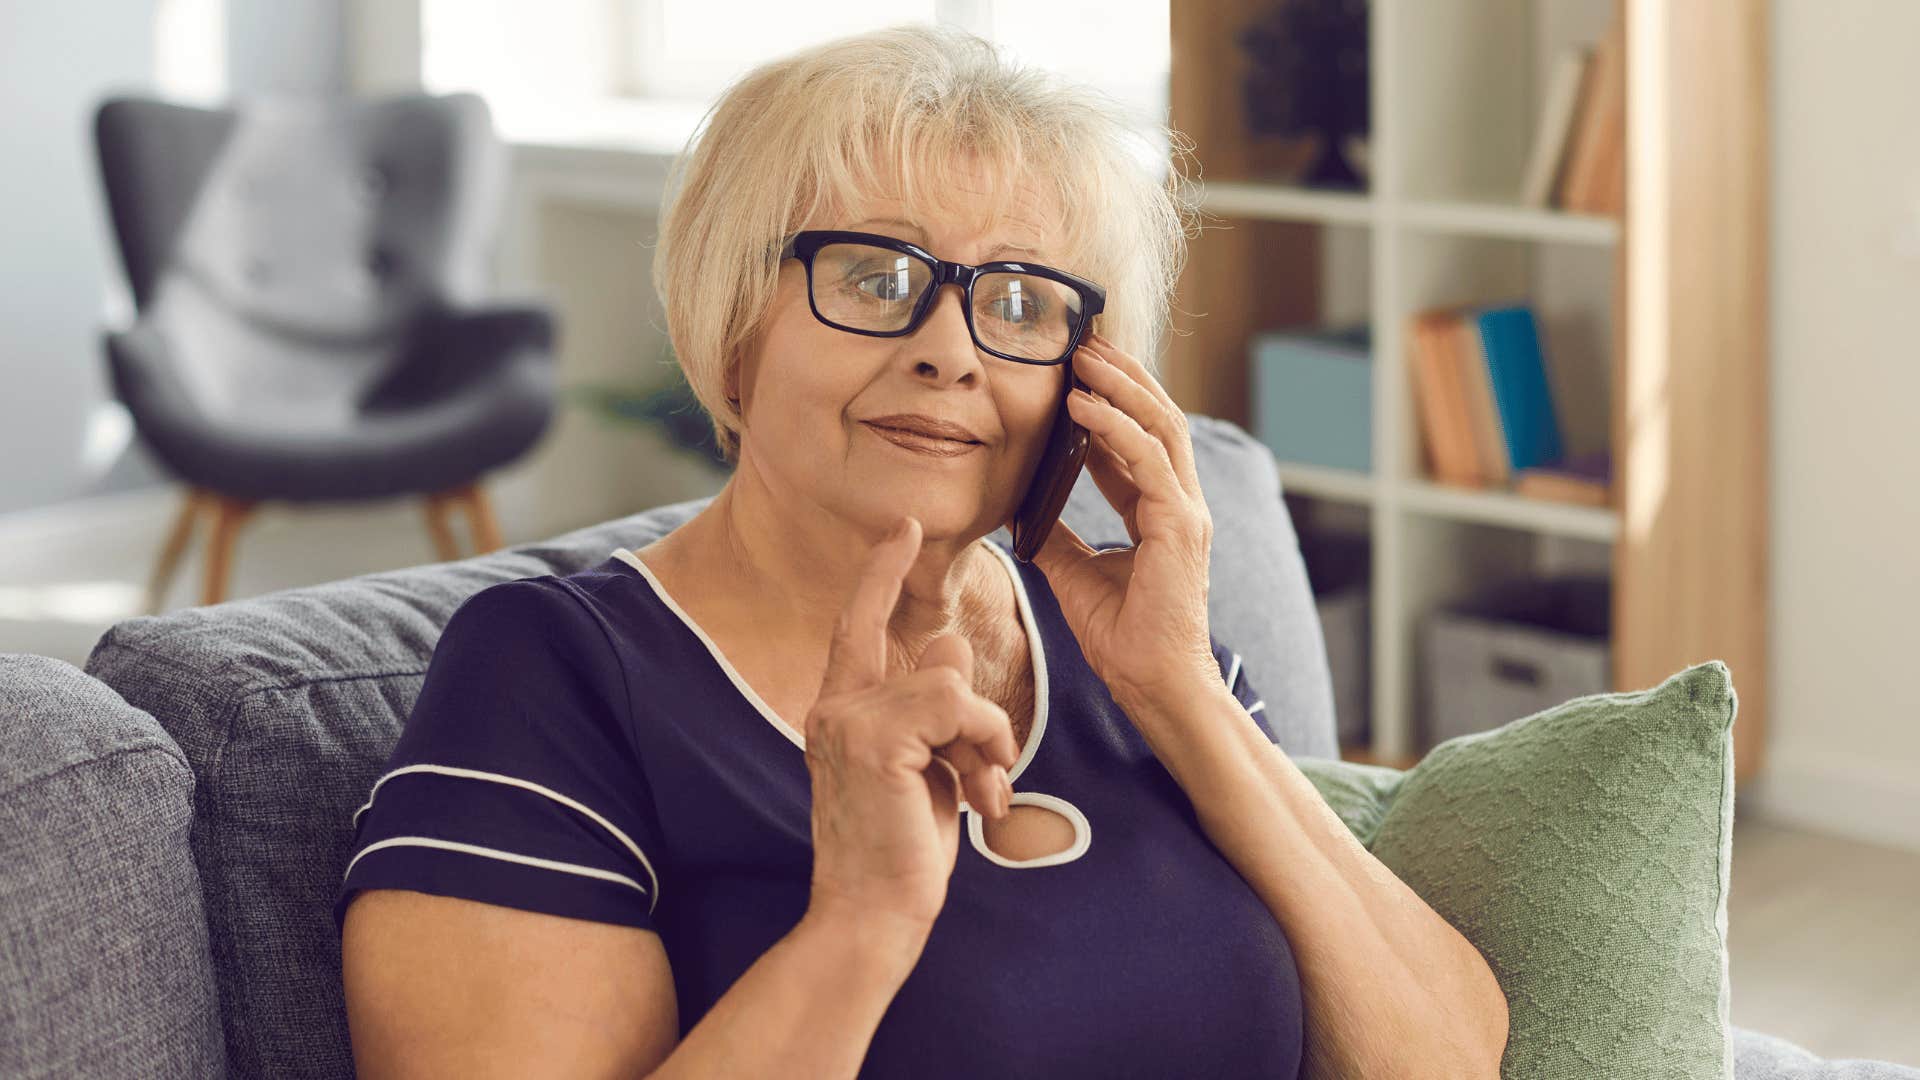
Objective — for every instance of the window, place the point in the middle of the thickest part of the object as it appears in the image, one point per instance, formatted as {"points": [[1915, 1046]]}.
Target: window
{"points": [[641, 72]]}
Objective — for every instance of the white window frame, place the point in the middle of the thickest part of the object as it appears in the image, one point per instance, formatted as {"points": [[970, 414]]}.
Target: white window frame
{"points": [[637, 40]]}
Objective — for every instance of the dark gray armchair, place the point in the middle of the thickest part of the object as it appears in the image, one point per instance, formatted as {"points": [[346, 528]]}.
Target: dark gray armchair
{"points": [[308, 275]]}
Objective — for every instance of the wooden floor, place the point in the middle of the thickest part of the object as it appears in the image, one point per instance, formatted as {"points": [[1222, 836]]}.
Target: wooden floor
{"points": [[1823, 941]]}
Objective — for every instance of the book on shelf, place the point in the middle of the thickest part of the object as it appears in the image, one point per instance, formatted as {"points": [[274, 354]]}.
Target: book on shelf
{"points": [[1440, 390], [1595, 177], [1489, 445], [1548, 156], [1516, 370], [1484, 403], [1586, 479]]}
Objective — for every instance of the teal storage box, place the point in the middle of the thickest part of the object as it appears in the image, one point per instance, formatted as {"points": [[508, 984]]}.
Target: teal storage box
{"points": [[1313, 396]]}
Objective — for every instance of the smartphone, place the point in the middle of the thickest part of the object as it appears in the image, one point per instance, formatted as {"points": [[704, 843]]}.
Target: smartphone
{"points": [[1060, 464]]}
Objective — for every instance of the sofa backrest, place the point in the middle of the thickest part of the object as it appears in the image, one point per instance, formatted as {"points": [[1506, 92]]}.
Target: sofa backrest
{"points": [[103, 942], [287, 706]]}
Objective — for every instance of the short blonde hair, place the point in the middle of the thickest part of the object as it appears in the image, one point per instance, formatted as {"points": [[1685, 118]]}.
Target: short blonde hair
{"points": [[811, 130]]}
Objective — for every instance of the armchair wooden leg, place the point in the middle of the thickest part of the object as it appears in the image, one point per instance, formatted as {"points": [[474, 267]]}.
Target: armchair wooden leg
{"points": [[176, 546], [480, 520], [230, 514], [444, 545]]}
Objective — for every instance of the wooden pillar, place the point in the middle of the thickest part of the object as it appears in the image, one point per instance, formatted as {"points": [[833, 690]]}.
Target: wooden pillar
{"points": [[1242, 276], [1691, 575]]}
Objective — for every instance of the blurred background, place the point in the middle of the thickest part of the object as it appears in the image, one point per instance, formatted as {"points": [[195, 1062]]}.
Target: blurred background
{"points": [[1581, 330]]}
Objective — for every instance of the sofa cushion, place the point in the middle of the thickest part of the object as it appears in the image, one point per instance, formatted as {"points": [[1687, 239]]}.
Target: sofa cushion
{"points": [[287, 706], [1585, 851], [1767, 1057], [103, 942]]}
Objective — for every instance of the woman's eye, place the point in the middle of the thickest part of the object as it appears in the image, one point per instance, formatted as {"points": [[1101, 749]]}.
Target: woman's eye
{"points": [[883, 286], [1018, 310]]}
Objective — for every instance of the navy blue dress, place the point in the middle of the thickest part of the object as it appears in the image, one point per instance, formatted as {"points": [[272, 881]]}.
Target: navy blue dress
{"points": [[580, 747]]}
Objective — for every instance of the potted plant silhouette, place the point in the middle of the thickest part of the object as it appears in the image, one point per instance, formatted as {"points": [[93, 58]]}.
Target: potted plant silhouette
{"points": [[1308, 76], [670, 407]]}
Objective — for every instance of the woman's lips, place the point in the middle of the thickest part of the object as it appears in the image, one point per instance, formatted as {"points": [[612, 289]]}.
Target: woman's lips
{"points": [[923, 444]]}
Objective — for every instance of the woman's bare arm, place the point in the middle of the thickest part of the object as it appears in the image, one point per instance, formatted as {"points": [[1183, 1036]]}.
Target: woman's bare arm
{"points": [[1390, 988], [443, 986], [807, 1008]]}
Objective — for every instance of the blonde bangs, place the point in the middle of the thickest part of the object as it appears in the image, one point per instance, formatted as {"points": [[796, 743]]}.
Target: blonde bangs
{"points": [[905, 113]]}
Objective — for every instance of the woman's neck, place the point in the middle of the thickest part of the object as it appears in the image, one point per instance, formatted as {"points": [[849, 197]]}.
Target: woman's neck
{"points": [[800, 567]]}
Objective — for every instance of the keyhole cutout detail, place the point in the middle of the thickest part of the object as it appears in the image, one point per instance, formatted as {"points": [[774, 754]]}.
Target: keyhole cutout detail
{"points": [[1039, 830]]}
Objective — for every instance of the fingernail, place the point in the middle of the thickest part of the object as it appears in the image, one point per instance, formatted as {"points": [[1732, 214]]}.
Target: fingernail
{"points": [[1006, 795]]}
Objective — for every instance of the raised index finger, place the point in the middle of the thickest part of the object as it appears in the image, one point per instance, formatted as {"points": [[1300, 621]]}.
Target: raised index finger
{"points": [[857, 655]]}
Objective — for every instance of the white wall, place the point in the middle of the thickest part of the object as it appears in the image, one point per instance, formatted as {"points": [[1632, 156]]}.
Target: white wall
{"points": [[61, 438], [56, 60], [287, 47], [1844, 738]]}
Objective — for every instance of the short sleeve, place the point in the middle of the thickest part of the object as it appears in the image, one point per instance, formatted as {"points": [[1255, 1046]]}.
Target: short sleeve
{"points": [[1233, 669], [515, 780]]}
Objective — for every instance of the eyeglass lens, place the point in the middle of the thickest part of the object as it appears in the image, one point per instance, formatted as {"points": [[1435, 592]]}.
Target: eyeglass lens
{"points": [[864, 287]]}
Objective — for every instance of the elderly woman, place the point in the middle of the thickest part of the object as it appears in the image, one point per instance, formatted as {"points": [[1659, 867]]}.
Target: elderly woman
{"points": [[699, 810]]}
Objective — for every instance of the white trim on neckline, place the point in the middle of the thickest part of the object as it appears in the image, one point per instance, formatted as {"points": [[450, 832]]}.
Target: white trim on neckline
{"points": [[1035, 646], [1082, 833]]}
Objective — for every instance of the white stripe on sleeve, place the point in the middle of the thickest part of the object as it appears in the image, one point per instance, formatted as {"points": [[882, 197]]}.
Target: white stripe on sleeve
{"points": [[504, 856], [514, 781]]}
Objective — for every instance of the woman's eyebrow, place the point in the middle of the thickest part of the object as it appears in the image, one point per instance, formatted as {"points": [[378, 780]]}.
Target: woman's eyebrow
{"points": [[998, 250]]}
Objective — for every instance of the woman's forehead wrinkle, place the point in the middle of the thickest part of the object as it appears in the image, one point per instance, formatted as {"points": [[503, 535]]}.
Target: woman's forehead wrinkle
{"points": [[1024, 240], [1008, 228], [1015, 226]]}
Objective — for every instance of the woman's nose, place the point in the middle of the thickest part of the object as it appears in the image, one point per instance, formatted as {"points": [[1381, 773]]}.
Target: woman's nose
{"points": [[943, 338]]}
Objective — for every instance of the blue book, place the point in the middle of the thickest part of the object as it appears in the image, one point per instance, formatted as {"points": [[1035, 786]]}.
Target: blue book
{"points": [[1510, 347]]}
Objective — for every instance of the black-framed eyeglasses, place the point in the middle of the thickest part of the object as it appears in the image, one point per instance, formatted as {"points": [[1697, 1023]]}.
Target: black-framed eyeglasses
{"points": [[879, 286]]}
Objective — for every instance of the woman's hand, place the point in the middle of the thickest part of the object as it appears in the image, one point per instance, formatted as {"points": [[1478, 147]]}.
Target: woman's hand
{"points": [[888, 757], [1140, 613]]}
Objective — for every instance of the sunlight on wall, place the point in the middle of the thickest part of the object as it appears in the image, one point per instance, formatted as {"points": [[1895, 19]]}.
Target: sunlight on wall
{"points": [[75, 601], [190, 49], [547, 69], [109, 433]]}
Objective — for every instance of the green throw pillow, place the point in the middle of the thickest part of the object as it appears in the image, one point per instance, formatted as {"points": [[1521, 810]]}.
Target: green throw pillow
{"points": [[1585, 850]]}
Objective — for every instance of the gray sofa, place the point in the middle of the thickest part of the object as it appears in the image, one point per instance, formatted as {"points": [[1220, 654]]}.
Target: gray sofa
{"points": [[174, 820]]}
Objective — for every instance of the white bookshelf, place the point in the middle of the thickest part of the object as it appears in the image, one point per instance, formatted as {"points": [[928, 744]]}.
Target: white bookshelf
{"points": [[1455, 87], [1277, 202]]}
